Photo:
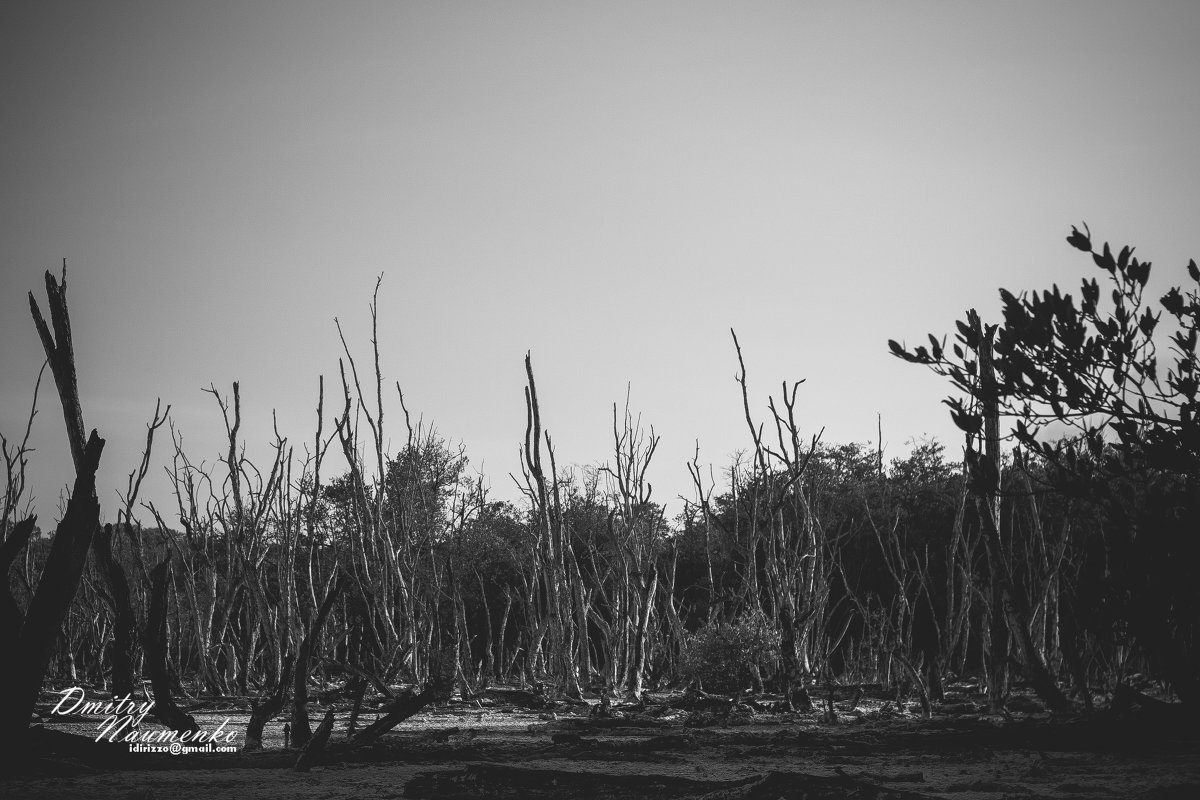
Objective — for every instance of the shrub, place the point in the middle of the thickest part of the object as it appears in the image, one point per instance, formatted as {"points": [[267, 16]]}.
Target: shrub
{"points": [[724, 656]]}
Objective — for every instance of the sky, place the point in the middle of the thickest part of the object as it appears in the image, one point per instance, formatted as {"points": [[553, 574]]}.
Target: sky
{"points": [[609, 186]]}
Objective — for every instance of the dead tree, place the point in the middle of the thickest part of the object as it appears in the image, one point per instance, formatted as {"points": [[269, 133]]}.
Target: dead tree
{"points": [[301, 730], [555, 588], [438, 687], [262, 712], [635, 526], [119, 597], [784, 528], [124, 626], [164, 710], [315, 747], [33, 643]]}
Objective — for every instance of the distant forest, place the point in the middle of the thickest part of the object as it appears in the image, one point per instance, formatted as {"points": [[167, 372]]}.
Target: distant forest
{"points": [[1068, 563]]}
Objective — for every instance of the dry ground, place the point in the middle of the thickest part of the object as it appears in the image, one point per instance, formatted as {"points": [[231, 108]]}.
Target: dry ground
{"points": [[490, 749]]}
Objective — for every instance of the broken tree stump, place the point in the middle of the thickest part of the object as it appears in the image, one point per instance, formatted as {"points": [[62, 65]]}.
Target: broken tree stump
{"points": [[262, 713], [164, 710], [316, 745]]}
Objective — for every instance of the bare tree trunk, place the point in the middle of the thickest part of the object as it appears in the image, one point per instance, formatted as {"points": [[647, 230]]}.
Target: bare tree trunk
{"points": [[441, 681], [790, 679], [301, 731], [640, 638], [164, 708], [1010, 612], [485, 666], [10, 613], [32, 649], [987, 489], [123, 621], [30, 657], [262, 713], [315, 746], [915, 677], [501, 673], [1069, 642]]}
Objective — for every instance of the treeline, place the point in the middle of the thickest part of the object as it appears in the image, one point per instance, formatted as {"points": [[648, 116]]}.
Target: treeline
{"points": [[1068, 563], [866, 571]]}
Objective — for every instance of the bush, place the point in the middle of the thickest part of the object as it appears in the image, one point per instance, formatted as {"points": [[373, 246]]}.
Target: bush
{"points": [[725, 656]]}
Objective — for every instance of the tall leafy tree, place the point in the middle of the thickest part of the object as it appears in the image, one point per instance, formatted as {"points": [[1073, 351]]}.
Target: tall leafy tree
{"points": [[1096, 366]]}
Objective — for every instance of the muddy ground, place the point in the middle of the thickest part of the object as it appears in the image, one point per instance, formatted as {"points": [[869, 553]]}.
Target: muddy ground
{"points": [[491, 747]]}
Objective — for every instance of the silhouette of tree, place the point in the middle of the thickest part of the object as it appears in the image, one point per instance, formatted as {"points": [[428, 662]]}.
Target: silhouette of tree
{"points": [[1094, 366]]}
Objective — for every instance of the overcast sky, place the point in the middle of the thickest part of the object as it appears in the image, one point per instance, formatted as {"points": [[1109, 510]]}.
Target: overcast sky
{"points": [[611, 186]]}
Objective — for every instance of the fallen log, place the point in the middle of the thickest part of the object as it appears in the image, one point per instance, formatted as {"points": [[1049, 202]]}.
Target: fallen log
{"points": [[403, 707], [1127, 700], [407, 704], [521, 698], [608, 723]]}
